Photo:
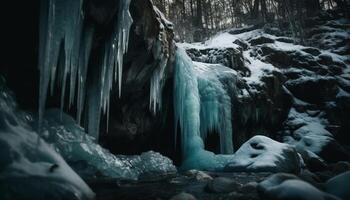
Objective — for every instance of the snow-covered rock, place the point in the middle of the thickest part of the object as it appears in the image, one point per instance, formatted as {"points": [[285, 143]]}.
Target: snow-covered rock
{"points": [[309, 132], [262, 154], [29, 167], [286, 186]]}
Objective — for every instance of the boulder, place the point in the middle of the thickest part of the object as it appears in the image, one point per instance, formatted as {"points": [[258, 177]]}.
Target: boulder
{"points": [[286, 186], [229, 57], [333, 152], [262, 154], [183, 196], [323, 89], [30, 168], [260, 40], [198, 175], [241, 43], [315, 164], [340, 167], [338, 185], [222, 185]]}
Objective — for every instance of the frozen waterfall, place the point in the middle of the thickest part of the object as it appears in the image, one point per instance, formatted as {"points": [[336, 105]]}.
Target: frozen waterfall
{"points": [[65, 47], [201, 105]]}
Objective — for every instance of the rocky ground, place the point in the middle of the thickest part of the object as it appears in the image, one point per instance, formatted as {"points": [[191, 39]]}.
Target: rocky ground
{"points": [[208, 185]]}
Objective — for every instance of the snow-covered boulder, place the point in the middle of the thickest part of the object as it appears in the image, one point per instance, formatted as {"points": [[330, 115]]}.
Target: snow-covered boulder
{"points": [[262, 154], [338, 185], [286, 186], [309, 131], [29, 167]]}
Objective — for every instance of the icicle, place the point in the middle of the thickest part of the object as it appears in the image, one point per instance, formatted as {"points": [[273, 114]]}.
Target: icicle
{"points": [[120, 39], [113, 56], [61, 25], [60, 22], [82, 71], [157, 79], [94, 109], [161, 54]]}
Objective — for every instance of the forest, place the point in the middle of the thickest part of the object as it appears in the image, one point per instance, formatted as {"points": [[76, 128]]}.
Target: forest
{"points": [[196, 20], [175, 99]]}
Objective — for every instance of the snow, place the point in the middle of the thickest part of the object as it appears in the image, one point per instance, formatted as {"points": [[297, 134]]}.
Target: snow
{"points": [[163, 18], [225, 40], [261, 153], [257, 68], [62, 22], [342, 93], [29, 166], [312, 134]]}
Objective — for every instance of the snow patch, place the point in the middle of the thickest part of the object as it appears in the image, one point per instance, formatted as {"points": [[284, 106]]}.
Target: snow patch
{"points": [[311, 134]]}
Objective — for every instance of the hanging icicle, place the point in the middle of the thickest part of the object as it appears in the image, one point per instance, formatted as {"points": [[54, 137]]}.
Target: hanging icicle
{"points": [[161, 54], [61, 26]]}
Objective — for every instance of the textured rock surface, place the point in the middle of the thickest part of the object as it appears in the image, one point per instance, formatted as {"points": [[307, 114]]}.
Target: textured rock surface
{"points": [[336, 185], [286, 186]]}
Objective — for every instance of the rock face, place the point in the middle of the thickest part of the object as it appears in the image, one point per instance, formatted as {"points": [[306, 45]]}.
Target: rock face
{"points": [[262, 154], [133, 121]]}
